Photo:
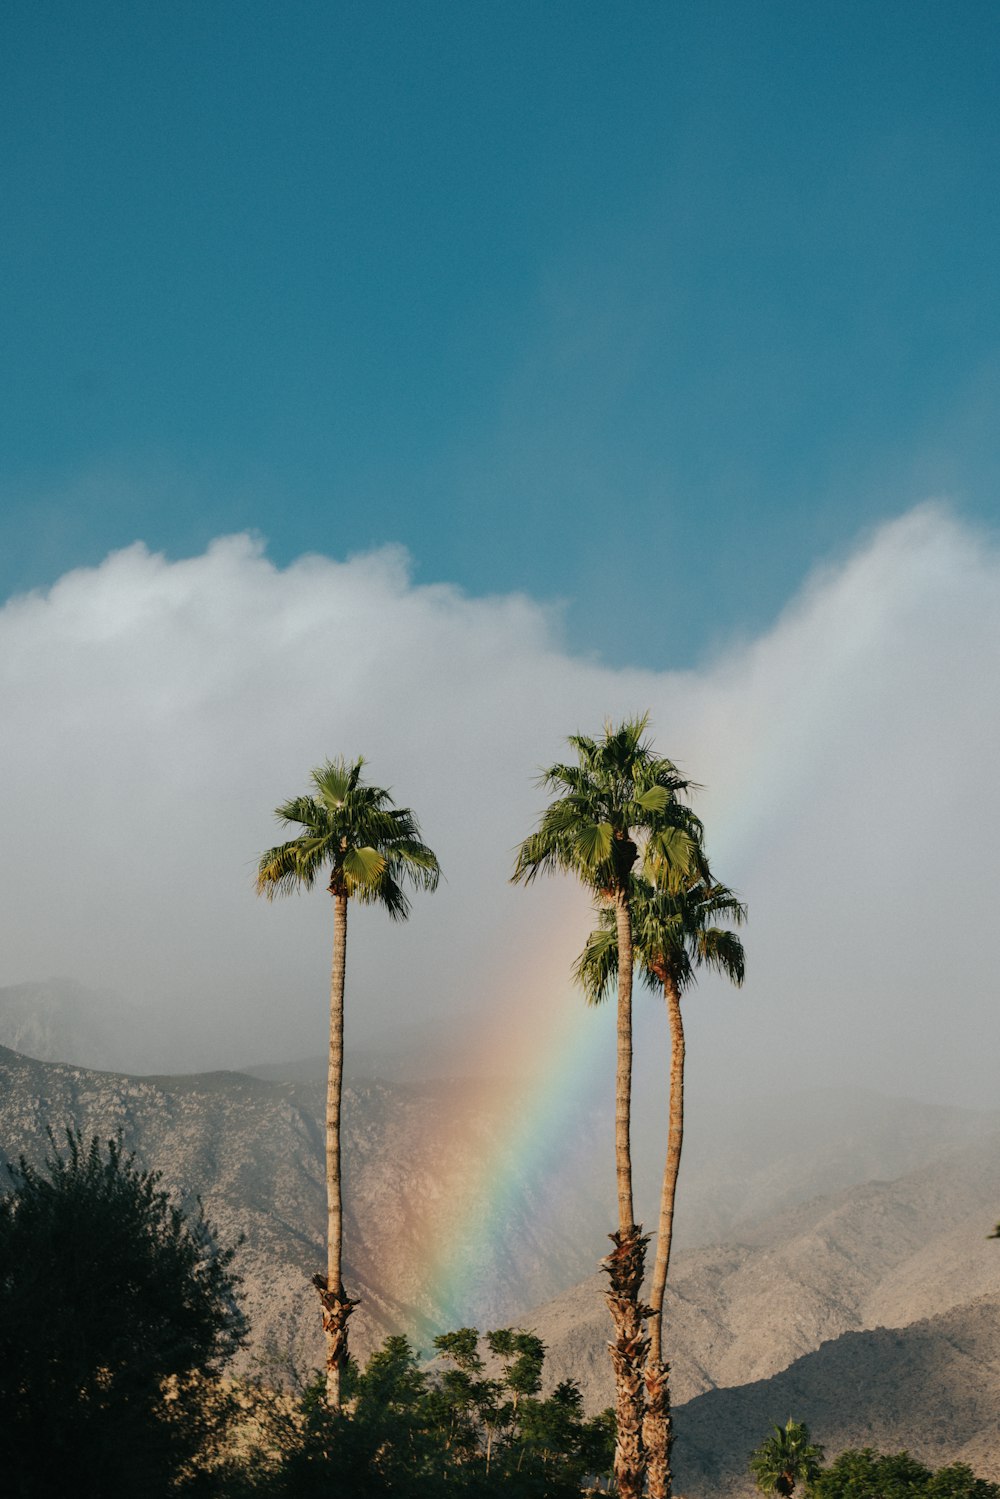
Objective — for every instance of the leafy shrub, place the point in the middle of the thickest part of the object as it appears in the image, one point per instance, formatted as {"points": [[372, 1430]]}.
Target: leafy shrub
{"points": [[117, 1314]]}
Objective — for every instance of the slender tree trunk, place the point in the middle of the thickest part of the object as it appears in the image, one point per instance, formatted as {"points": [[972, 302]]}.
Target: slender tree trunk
{"points": [[626, 1264], [623, 1076], [337, 1305], [657, 1430], [675, 1142]]}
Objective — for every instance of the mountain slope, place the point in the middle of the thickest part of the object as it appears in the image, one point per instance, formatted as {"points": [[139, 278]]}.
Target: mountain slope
{"points": [[877, 1253], [253, 1151], [932, 1387], [770, 1306]]}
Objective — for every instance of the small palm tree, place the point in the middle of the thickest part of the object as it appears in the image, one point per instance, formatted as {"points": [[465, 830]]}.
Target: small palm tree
{"points": [[372, 848], [618, 805], [785, 1459], [673, 936]]}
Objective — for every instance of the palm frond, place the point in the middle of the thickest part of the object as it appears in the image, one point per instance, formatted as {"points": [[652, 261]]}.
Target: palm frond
{"points": [[619, 801], [671, 850], [336, 779], [287, 867], [544, 852], [722, 952], [362, 867], [593, 843], [672, 937], [387, 894], [596, 968], [304, 811], [653, 799], [414, 860]]}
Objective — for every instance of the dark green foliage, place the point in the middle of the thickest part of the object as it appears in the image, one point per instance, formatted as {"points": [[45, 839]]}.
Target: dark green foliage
{"points": [[411, 1433], [523, 1356], [874, 1475], [116, 1316]]}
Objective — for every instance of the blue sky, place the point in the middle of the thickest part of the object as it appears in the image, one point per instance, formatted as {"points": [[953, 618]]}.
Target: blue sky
{"points": [[645, 307]]}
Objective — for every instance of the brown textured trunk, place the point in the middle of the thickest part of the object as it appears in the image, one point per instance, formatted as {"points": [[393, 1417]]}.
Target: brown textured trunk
{"points": [[337, 1305], [657, 1430], [626, 1264]]}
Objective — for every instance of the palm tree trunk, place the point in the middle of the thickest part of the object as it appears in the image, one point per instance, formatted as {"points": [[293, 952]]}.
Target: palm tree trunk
{"points": [[657, 1426], [675, 1142], [626, 1264], [623, 1077], [337, 1306]]}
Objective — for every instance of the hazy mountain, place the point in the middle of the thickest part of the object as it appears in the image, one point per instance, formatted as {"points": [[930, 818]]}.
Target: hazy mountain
{"points": [[426, 1247], [877, 1253], [747, 1159], [932, 1387], [253, 1150], [748, 1317], [60, 1020], [744, 1159]]}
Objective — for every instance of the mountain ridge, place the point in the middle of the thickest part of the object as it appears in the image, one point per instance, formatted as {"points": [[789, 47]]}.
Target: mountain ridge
{"points": [[742, 1311]]}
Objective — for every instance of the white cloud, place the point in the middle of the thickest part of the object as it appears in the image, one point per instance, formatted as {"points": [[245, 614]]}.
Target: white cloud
{"points": [[155, 712]]}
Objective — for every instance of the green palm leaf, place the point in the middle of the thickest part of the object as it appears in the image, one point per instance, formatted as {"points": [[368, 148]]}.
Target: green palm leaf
{"points": [[593, 843], [362, 867]]}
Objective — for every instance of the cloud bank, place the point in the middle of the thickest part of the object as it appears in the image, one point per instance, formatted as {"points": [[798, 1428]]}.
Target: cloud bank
{"points": [[154, 713]]}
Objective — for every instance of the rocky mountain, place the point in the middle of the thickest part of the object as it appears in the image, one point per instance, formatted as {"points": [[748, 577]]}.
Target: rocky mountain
{"points": [[932, 1387], [784, 1312], [880, 1253], [253, 1151], [791, 1318], [744, 1159]]}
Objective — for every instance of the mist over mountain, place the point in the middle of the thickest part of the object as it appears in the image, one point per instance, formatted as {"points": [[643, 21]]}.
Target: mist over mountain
{"points": [[757, 1313], [872, 1314], [745, 1157], [61, 1020], [875, 1253]]}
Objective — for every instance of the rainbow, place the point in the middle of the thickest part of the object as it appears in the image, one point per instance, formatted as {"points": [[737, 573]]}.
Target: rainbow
{"points": [[540, 1111]]}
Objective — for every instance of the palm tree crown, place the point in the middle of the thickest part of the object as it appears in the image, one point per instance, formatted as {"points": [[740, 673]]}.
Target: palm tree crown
{"points": [[370, 845], [786, 1459], [617, 795], [672, 936]]}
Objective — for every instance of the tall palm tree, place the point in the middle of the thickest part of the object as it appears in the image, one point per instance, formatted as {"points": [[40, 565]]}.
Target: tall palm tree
{"points": [[786, 1459], [372, 848], [619, 804], [673, 936]]}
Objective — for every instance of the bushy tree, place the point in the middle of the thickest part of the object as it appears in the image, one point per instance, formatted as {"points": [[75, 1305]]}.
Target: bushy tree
{"points": [[117, 1314], [415, 1433], [867, 1474]]}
